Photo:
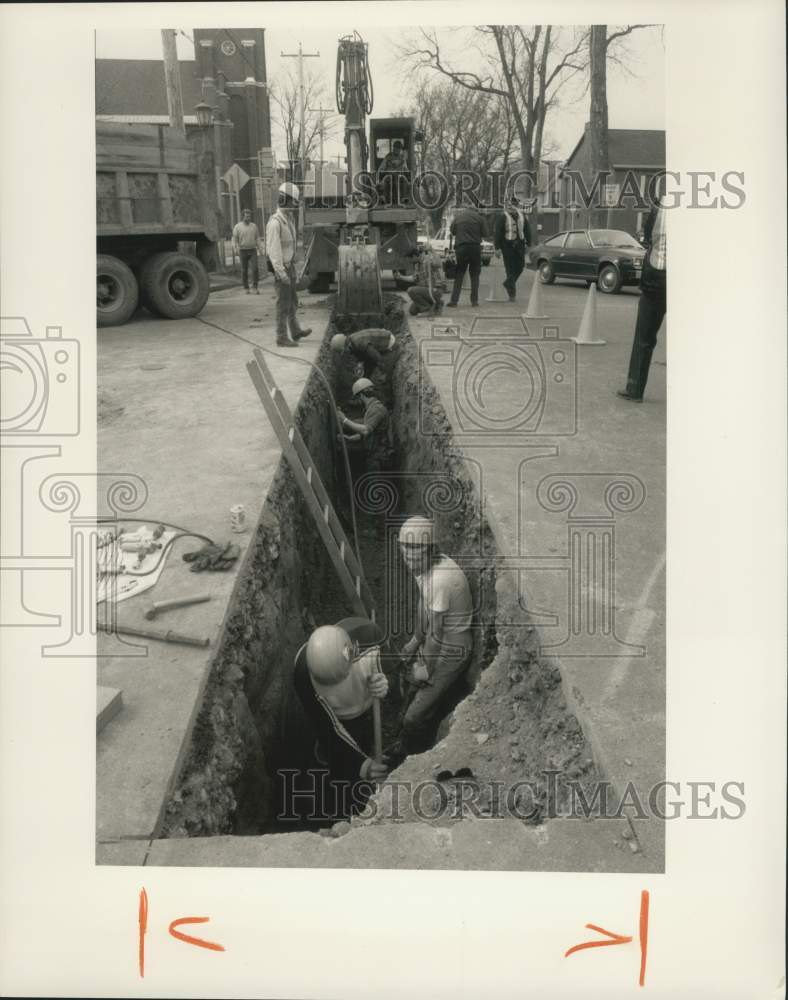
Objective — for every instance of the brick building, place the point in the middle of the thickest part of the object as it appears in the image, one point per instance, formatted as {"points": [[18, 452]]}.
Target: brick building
{"points": [[228, 73], [635, 153]]}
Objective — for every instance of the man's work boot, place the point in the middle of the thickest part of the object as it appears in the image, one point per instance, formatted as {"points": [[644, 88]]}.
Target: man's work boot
{"points": [[256, 290], [626, 394], [286, 341], [300, 334]]}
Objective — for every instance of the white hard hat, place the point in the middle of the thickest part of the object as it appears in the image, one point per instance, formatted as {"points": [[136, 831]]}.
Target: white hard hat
{"points": [[338, 342], [361, 384], [417, 530], [329, 653], [290, 191]]}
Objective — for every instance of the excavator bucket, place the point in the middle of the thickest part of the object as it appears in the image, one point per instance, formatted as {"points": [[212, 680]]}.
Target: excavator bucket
{"points": [[359, 291]]}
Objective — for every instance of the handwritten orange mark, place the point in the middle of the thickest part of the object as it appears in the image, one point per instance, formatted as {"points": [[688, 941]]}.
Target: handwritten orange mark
{"points": [[187, 938], [621, 938], [143, 921]]}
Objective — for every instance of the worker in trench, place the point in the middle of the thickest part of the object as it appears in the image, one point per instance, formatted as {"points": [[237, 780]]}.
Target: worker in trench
{"points": [[336, 675], [437, 656], [372, 432], [426, 293], [375, 349]]}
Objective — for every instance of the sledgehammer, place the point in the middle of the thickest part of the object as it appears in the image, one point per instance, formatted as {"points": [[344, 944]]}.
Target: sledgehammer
{"points": [[180, 602]]}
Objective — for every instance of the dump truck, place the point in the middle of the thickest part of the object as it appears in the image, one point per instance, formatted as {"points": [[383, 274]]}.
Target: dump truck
{"points": [[351, 236], [157, 221]]}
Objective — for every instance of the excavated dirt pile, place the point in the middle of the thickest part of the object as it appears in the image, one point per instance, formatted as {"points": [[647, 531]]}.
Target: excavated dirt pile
{"points": [[512, 730]]}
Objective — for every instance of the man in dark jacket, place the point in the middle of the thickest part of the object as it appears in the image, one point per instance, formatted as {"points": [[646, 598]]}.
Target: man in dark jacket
{"points": [[466, 231], [512, 235], [652, 306]]}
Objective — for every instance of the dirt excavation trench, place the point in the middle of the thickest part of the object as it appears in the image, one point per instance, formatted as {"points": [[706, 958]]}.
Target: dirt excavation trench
{"points": [[509, 724]]}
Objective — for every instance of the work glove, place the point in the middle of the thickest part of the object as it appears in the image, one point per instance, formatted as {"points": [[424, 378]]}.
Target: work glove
{"points": [[212, 557]]}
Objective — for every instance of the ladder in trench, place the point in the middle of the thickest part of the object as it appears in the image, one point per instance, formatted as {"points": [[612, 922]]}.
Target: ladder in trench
{"points": [[329, 526]]}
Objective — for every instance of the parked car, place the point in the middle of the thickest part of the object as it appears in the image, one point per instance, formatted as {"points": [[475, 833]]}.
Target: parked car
{"points": [[440, 243], [610, 257]]}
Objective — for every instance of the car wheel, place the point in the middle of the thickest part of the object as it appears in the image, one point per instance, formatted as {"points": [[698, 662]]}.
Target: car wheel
{"points": [[546, 272], [117, 293], [175, 285], [609, 280]]}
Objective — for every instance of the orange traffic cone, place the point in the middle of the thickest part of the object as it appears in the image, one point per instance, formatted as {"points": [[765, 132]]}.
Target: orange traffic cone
{"points": [[535, 309], [587, 332]]}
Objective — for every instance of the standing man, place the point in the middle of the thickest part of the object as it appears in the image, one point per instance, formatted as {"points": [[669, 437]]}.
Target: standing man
{"points": [[466, 231], [246, 239], [652, 305], [373, 432], [280, 243], [443, 641], [512, 236]]}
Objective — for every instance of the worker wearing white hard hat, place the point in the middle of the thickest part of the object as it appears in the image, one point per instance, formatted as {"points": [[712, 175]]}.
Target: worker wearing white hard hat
{"points": [[441, 647], [372, 432], [280, 247], [373, 348], [336, 676]]}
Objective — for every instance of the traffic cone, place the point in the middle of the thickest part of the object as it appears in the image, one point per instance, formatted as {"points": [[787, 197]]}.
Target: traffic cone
{"points": [[535, 308], [587, 332]]}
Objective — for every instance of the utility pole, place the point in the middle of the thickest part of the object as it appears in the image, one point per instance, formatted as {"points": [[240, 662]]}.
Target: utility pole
{"points": [[300, 56], [322, 132], [172, 80]]}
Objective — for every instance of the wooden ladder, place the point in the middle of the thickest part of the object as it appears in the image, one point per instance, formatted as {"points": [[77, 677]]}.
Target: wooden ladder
{"points": [[329, 526]]}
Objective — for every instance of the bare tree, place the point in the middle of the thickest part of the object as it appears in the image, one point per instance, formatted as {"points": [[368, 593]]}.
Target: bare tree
{"points": [[524, 67], [464, 130], [285, 95], [603, 47]]}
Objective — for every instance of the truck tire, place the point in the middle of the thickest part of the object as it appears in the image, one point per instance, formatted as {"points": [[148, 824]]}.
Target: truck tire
{"points": [[174, 285], [117, 293]]}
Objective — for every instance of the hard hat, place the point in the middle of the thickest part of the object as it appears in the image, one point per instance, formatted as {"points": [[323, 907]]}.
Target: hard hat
{"points": [[360, 385], [329, 653], [338, 342], [290, 191], [418, 530]]}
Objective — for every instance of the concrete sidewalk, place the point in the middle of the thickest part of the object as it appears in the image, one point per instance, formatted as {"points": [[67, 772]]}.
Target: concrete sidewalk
{"points": [[570, 469], [177, 408]]}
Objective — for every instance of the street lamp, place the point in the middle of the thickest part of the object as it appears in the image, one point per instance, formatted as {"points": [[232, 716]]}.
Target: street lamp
{"points": [[204, 114]]}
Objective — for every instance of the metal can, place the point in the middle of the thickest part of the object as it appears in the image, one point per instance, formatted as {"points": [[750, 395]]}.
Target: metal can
{"points": [[238, 518]]}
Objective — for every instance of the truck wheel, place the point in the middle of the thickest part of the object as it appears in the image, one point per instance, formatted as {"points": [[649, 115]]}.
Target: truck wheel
{"points": [[174, 285], [321, 283], [117, 293]]}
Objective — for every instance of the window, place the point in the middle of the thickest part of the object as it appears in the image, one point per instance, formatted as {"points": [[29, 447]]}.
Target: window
{"points": [[556, 241], [577, 241]]}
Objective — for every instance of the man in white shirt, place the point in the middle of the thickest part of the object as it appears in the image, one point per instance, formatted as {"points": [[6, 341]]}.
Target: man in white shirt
{"points": [[280, 246], [443, 641], [246, 238]]}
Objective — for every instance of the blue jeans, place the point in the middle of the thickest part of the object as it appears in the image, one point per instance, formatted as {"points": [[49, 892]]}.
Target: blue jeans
{"points": [[445, 671]]}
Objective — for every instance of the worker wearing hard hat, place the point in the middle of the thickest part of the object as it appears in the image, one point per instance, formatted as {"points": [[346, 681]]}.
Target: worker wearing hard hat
{"points": [[373, 430], [373, 348], [441, 647], [336, 676], [280, 247]]}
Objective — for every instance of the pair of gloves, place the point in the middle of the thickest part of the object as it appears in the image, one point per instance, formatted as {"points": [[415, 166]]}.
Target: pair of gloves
{"points": [[212, 557]]}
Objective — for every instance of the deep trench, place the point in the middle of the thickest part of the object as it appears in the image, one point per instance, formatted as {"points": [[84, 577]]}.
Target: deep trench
{"points": [[251, 728]]}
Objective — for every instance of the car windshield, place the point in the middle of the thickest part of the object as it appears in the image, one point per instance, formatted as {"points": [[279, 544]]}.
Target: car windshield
{"points": [[613, 238]]}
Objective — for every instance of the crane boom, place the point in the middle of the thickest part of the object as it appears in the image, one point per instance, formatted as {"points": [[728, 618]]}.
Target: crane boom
{"points": [[354, 101]]}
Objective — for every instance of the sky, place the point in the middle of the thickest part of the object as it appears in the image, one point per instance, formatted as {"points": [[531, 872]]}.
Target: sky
{"points": [[634, 101]]}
